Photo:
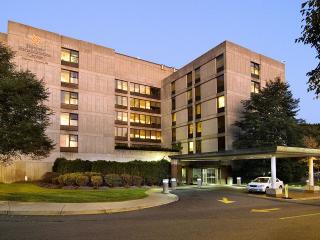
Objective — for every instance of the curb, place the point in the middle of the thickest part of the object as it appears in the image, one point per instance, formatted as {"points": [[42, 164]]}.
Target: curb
{"points": [[163, 200]]}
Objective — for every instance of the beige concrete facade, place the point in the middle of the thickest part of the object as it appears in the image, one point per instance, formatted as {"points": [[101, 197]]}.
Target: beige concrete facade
{"points": [[115, 101]]}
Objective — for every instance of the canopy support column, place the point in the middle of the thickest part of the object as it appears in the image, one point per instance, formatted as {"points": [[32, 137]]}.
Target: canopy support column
{"points": [[310, 186], [274, 191]]}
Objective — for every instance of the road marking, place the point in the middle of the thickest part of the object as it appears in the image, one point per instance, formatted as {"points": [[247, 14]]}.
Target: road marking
{"points": [[226, 200], [265, 210], [298, 216]]}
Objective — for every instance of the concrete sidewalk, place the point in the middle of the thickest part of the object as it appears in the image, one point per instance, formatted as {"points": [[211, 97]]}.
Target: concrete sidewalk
{"points": [[154, 198]]}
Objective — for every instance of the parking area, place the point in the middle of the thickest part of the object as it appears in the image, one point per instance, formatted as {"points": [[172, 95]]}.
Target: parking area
{"points": [[212, 213]]}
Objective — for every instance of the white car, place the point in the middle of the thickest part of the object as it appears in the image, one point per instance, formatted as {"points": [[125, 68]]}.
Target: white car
{"points": [[260, 184]]}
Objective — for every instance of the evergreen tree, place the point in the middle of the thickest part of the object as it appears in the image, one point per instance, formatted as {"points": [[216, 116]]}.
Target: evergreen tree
{"points": [[24, 116]]}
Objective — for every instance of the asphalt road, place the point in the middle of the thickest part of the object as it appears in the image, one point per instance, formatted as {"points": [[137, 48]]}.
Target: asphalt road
{"points": [[198, 215]]}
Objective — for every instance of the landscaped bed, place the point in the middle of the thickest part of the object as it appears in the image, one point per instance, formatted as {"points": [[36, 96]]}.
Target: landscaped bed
{"points": [[29, 192]]}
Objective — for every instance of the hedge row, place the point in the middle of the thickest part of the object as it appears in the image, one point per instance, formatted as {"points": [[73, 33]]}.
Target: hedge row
{"points": [[151, 172], [92, 179]]}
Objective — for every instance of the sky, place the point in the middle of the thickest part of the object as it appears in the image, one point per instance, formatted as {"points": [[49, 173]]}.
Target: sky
{"points": [[174, 32]]}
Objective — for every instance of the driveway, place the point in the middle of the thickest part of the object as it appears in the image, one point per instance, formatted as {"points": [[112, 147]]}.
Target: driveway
{"points": [[217, 213]]}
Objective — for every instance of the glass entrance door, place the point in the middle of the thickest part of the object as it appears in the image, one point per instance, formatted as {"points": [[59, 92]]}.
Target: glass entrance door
{"points": [[211, 175]]}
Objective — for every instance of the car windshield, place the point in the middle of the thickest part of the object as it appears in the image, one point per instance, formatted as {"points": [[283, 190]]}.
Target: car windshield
{"points": [[261, 180]]}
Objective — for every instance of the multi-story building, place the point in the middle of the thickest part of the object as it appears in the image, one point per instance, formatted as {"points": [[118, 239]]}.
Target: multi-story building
{"points": [[115, 107]]}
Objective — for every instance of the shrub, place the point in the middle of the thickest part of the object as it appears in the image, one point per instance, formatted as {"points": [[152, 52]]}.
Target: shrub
{"points": [[69, 179], [96, 181], [113, 180], [137, 181], [126, 180], [55, 181], [61, 180], [49, 176], [82, 180]]}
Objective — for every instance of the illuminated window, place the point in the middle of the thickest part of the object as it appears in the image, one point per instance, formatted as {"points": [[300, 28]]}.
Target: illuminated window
{"points": [[255, 87], [198, 129], [68, 55], [190, 130], [198, 93], [148, 90], [142, 134], [148, 121], [197, 75], [69, 119], [221, 104], [190, 147], [255, 69], [174, 119], [136, 88], [121, 132], [122, 116], [142, 119], [121, 85], [198, 111], [142, 89], [121, 100], [69, 76], [68, 140], [148, 105], [69, 97]]}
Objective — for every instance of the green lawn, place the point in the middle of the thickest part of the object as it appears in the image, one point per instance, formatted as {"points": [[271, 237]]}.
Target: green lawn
{"points": [[28, 192]]}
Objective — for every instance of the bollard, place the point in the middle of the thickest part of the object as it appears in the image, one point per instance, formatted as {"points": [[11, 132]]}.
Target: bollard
{"points": [[26, 178], [239, 181], [199, 182], [165, 183], [286, 191], [173, 183], [230, 181]]}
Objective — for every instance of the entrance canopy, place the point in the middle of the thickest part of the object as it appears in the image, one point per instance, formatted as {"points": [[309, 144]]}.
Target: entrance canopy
{"points": [[253, 153]]}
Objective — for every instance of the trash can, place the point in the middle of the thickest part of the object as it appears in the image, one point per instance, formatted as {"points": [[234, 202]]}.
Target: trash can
{"points": [[199, 182], [165, 183], [238, 181], [173, 183]]}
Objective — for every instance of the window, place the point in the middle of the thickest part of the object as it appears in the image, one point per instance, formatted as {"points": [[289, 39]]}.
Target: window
{"points": [[190, 130], [69, 76], [198, 111], [174, 119], [173, 87], [69, 97], [198, 129], [148, 92], [220, 84], [121, 101], [221, 124], [122, 116], [190, 114], [189, 96], [255, 87], [68, 140], [69, 119], [190, 147], [197, 75], [220, 63], [221, 104], [198, 146], [143, 89], [121, 132], [145, 134], [221, 144], [68, 55], [173, 103], [174, 135], [255, 69], [121, 85], [189, 79], [198, 93]]}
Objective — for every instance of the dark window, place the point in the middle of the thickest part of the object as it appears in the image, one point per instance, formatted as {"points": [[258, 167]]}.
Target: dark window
{"points": [[189, 79], [220, 84], [173, 88], [198, 93], [173, 103], [255, 69], [190, 114], [198, 146], [220, 63], [221, 124], [197, 77], [221, 144], [174, 135], [189, 96]]}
